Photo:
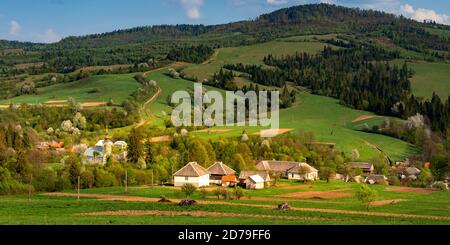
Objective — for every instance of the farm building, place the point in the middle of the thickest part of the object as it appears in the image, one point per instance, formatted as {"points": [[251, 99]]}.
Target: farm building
{"points": [[193, 173], [120, 144], [277, 167], [303, 171], [289, 170], [219, 170], [254, 182], [366, 168], [246, 174], [229, 181], [94, 155], [376, 179]]}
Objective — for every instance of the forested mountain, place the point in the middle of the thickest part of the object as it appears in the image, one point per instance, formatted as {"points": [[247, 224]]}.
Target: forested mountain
{"points": [[303, 19]]}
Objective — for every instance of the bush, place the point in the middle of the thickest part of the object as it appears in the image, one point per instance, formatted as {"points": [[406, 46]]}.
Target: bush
{"points": [[104, 178], [46, 180], [87, 179], [188, 190], [238, 193], [203, 193], [366, 195], [10, 186]]}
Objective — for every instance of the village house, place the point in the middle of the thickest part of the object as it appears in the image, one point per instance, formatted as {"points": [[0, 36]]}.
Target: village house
{"points": [[303, 171], [94, 155], [244, 175], [377, 179], [219, 170], [366, 168], [254, 182], [104, 149], [193, 173], [280, 168], [289, 170]]}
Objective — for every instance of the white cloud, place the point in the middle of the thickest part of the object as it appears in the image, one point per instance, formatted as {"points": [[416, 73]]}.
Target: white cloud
{"points": [[276, 2], [14, 28], [422, 14], [50, 36], [328, 1], [192, 8]]}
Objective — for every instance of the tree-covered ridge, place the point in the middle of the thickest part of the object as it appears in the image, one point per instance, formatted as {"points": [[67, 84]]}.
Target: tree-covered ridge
{"points": [[191, 54], [360, 78]]}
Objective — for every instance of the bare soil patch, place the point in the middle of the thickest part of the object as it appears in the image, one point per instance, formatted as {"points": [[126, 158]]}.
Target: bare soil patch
{"points": [[320, 210], [194, 214], [279, 131], [93, 104], [106, 197], [159, 139], [365, 117], [318, 194], [212, 131], [411, 190], [387, 202], [56, 101], [296, 187]]}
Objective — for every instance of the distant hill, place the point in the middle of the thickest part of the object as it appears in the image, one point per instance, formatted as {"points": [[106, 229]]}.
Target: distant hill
{"points": [[139, 44]]}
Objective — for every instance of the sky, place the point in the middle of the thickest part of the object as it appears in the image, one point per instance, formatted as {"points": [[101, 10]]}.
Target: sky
{"points": [[49, 21]]}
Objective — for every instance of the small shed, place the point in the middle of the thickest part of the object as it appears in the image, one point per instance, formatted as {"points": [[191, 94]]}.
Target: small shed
{"points": [[376, 179], [255, 182], [229, 181]]}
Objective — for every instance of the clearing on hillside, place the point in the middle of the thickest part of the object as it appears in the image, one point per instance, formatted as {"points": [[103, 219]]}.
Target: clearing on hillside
{"points": [[94, 89]]}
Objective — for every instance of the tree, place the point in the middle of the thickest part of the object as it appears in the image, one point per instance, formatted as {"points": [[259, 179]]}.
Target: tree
{"points": [[188, 190], [238, 193], [366, 195], [218, 192], [328, 173], [135, 146]]}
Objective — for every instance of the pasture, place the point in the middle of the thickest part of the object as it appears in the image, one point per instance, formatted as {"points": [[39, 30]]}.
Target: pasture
{"points": [[429, 78], [93, 89], [325, 117], [140, 206], [252, 54]]}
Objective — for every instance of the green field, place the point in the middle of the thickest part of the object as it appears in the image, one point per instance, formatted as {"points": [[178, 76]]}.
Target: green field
{"points": [[411, 208], [325, 117], [252, 54], [429, 78], [116, 87]]}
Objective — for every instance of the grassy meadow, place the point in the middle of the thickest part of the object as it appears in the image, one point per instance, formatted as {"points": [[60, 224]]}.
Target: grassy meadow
{"points": [[257, 207], [93, 89]]}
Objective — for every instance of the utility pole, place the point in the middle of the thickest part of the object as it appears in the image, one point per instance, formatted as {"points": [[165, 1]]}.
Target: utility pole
{"points": [[126, 181], [152, 177], [78, 188], [30, 188]]}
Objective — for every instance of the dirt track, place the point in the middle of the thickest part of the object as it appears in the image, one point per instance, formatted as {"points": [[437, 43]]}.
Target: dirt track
{"points": [[411, 190], [195, 214], [363, 118], [320, 210]]}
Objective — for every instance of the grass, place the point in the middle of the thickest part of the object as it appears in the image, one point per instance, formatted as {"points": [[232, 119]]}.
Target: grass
{"points": [[66, 210], [117, 87], [429, 78], [252, 54], [332, 123]]}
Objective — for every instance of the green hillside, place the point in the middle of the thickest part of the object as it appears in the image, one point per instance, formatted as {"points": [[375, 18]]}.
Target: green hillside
{"points": [[251, 54], [94, 89]]}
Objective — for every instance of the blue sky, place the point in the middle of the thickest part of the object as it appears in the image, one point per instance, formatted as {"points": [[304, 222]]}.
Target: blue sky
{"points": [[51, 20]]}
